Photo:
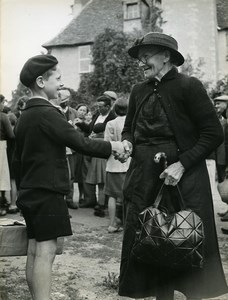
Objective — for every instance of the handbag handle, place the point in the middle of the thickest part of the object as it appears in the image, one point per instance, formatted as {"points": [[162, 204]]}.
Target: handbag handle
{"points": [[159, 197], [161, 157]]}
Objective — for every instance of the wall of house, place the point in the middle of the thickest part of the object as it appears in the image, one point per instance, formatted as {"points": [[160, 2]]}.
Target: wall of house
{"points": [[222, 53], [194, 25], [130, 25], [68, 58]]}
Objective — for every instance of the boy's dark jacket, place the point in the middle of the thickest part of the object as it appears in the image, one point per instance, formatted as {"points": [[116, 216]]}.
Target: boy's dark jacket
{"points": [[191, 114], [42, 134]]}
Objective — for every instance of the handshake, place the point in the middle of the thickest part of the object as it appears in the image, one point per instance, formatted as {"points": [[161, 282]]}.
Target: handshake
{"points": [[121, 150]]}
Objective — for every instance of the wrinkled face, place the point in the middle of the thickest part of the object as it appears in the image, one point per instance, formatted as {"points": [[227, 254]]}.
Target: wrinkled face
{"points": [[103, 108], [220, 107], [82, 111], [152, 61], [53, 84]]}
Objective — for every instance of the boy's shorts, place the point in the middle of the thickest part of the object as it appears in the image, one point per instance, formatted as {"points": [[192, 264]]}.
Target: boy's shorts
{"points": [[45, 213]]}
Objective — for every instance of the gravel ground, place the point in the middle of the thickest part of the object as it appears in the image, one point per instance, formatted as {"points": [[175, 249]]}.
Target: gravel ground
{"points": [[88, 268]]}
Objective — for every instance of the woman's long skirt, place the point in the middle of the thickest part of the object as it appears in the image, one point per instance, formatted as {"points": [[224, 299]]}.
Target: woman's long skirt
{"points": [[138, 280]]}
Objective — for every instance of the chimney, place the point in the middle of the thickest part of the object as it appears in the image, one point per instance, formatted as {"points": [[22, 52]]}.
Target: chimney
{"points": [[78, 6]]}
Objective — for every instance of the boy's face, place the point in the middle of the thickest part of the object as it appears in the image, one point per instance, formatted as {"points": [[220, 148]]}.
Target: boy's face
{"points": [[53, 84]]}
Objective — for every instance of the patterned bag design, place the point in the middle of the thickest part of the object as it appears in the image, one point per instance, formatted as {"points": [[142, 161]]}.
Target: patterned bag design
{"points": [[172, 240]]}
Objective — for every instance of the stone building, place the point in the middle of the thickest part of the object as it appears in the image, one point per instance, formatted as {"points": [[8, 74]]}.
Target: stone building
{"points": [[201, 28]]}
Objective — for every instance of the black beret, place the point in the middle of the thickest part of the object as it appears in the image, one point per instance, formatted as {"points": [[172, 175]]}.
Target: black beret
{"points": [[36, 66]]}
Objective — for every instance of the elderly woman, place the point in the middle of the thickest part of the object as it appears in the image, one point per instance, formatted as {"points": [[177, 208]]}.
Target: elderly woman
{"points": [[172, 113]]}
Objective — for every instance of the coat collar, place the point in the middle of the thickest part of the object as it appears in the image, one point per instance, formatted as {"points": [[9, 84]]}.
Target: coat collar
{"points": [[38, 101], [171, 74]]}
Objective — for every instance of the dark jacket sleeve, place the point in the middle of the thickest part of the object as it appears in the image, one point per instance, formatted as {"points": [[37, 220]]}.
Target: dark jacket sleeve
{"points": [[126, 133], [84, 127], [202, 113], [56, 127], [8, 131], [226, 142]]}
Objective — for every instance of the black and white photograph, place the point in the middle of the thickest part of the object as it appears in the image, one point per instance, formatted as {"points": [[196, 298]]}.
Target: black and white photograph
{"points": [[114, 150]]}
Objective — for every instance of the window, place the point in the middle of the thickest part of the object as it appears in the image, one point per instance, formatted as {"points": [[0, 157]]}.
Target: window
{"points": [[132, 11], [85, 65]]}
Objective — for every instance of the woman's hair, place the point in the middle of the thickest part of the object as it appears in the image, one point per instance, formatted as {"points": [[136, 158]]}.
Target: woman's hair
{"points": [[2, 98], [22, 102], [121, 106], [82, 104]]}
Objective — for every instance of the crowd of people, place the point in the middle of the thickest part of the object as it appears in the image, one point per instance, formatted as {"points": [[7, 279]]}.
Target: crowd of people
{"points": [[90, 186], [107, 160]]}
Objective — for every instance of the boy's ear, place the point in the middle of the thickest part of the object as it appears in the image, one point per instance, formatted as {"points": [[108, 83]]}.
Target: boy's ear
{"points": [[40, 81]]}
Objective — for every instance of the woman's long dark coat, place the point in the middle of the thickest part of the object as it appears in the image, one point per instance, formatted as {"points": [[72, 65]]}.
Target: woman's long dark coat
{"points": [[197, 133]]}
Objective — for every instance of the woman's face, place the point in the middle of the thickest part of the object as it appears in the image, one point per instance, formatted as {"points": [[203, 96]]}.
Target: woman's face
{"points": [[152, 61], [82, 111], [88, 116]]}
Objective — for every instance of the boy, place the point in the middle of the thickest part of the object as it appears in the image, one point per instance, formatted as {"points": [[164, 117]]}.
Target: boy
{"points": [[42, 134]]}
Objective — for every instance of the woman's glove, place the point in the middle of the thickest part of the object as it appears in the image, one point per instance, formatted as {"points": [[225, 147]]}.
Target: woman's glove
{"points": [[173, 173]]}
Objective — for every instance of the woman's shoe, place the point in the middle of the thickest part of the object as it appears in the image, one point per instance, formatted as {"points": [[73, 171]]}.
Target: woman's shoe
{"points": [[222, 214], [224, 230], [99, 213], [72, 205], [2, 212], [112, 229], [12, 209]]}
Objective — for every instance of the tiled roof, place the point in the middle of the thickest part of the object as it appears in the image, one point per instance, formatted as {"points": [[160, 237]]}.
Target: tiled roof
{"points": [[94, 18], [222, 13]]}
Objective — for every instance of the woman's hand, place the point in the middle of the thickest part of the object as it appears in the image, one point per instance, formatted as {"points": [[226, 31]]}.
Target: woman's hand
{"points": [[173, 173]]}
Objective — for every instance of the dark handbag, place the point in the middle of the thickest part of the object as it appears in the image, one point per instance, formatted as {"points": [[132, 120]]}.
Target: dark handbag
{"points": [[171, 240]]}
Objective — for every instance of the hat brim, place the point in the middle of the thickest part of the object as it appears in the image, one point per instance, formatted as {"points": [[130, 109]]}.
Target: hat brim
{"points": [[177, 56]]}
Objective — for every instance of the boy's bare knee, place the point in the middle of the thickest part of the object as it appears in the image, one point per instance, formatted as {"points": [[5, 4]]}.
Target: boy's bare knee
{"points": [[31, 247], [46, 249]]}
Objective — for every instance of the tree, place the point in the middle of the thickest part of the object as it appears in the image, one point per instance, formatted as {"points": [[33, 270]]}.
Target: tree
{"points": [[221, 88], [153, 21], [20, 91], [194, 68], [114, 69]]}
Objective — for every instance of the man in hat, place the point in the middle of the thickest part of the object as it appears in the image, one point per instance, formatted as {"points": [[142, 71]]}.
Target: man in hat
{"points": [[70, 114], [42, 135], [112, 95], [168, 113], [221, 152]]}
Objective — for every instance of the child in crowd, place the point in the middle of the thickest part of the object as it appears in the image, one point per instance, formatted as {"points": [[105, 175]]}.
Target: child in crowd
{"points": [[115, 170], [42, 134]]}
